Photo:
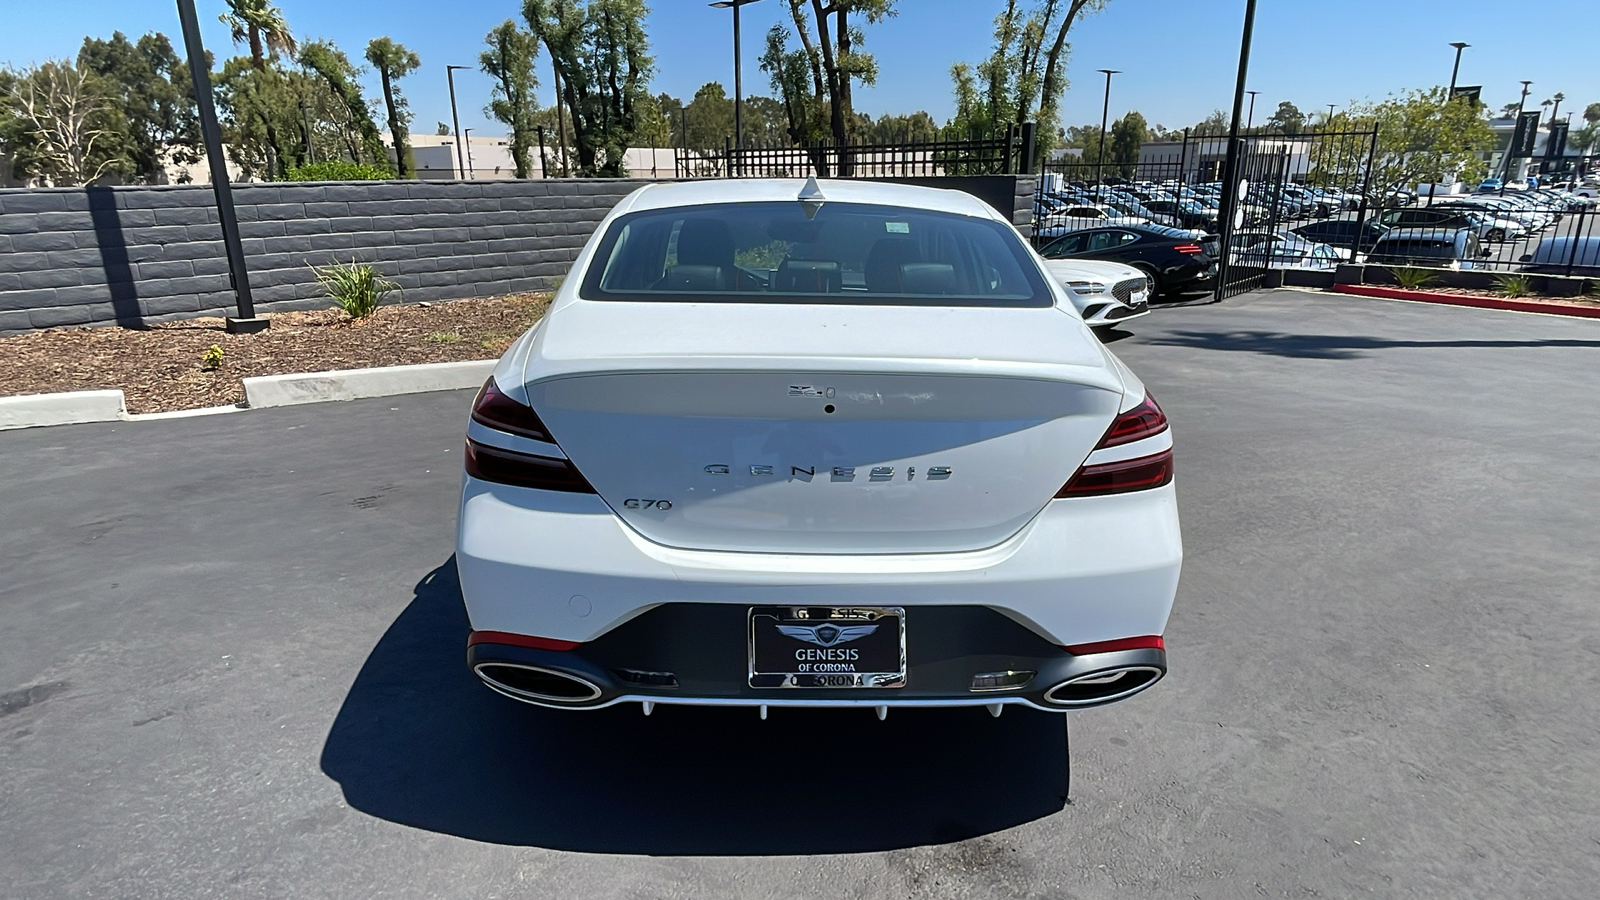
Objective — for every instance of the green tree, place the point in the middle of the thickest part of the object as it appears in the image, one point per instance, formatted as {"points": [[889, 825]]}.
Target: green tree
{"points": [[151, 89], [394, 62], [709, 119], [602, 56], [1214, 125], [260, 25], [1591, 113], [1421, 140], [441, 130], [830, 55], [1128, 134], [342, 79], [1024, 77], [62, 126], [509, 61], [1288, 119]]}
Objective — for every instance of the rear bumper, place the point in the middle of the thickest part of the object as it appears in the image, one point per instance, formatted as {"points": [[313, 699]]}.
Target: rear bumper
{"points": [[695, 654], [565, 567]]}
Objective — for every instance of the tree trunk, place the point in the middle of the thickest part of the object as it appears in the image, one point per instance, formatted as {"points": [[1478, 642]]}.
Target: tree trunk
{"points": [[396, 129]]}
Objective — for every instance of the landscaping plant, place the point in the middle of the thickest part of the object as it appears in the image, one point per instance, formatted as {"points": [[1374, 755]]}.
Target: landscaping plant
{"points": [[1514, 285], [354, 287], [211, 360], [1412, 277]]}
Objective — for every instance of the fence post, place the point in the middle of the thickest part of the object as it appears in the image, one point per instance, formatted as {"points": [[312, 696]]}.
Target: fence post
{"points": [[1028, 147], [1010, 165], [1366, 191], [727, 156], [1575, 236]]}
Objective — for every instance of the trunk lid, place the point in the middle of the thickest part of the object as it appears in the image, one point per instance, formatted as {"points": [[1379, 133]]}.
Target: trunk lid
{"points": [[822, 429]]}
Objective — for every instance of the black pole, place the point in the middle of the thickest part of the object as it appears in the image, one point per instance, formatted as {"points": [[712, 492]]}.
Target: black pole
{"points": [[246, 322], [1250, 120], [738, 83], [544, 161], [1100, 162], [311, 149], [1456, 70], [1230, 167], [455, 119]]}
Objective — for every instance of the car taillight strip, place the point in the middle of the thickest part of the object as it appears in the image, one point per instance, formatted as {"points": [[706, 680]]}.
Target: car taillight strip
{"points": [[523, 470], [1136, 424], [1123, 477], [1149, 446], [494, 409], [515, 443]]}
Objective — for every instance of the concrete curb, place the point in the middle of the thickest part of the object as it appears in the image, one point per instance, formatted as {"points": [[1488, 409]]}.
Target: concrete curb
{"points": [[79, 407], [1550, 309], [71, 408], [355, 384]]}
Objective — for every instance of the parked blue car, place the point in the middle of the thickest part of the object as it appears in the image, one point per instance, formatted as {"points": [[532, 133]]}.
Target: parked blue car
{"points": [[1490, 186]]}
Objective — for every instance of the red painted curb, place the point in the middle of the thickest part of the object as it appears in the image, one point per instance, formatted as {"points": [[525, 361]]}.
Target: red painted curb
{"points": [[1553, 309]]}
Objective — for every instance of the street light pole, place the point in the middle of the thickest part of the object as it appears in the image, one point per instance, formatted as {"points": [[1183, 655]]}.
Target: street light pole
{"points": [[247, 322], [1505, 169], [455, 119], [1105, 112], [738, 69], [1230, 173], [1251, 119], [1455, 71]]}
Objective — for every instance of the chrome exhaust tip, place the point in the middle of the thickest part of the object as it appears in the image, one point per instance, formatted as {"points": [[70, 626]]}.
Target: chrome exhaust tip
{"points": [[524, 682], [1103, 686]]}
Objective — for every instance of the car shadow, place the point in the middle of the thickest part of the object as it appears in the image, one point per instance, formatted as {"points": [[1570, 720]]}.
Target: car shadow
{"points": [[420, 742], [1328, 346]]}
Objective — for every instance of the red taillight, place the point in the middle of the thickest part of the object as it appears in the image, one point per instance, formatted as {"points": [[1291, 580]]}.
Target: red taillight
{"points": [[1120, 477], [1144, 420], [494, 410], [1189, 248], [1145, 642]]}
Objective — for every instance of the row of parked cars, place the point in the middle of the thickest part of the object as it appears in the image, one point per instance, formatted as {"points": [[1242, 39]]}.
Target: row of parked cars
{"points": [[1077, 205]]}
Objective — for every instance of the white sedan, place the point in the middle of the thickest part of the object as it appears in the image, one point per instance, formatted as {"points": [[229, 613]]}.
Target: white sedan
{"points": [[782, 443], [1104, 293]]}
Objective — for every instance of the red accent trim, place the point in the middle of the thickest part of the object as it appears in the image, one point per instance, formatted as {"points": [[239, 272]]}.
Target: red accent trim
{"points": [[1553, 309], [1189, 248], [1147, 642], [520, 640]]}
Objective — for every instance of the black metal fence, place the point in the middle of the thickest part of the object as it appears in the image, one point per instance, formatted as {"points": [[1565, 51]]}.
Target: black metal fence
{"points": [[1007, 153]]}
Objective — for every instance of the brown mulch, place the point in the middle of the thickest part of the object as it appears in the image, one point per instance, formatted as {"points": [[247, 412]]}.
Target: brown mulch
{"points": [[162, 368]]}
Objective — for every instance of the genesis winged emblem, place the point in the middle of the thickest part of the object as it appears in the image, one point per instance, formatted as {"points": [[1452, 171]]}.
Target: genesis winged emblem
{"points": [[827, 635]]}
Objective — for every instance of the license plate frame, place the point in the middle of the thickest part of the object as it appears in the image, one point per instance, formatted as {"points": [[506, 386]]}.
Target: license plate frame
{"points": [[827, 635]]}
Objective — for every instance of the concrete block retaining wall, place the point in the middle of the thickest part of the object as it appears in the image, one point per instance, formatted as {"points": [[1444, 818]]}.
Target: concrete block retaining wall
{"points": [[135, 255]]}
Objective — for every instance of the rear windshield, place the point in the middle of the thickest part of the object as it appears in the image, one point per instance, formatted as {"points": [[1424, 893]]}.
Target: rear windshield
{"points": [[846, 253]]}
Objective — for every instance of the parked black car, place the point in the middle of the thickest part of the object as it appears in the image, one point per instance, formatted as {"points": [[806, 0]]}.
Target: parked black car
{"points": [[1343, 232], [1188, 213], [1175, 260]]}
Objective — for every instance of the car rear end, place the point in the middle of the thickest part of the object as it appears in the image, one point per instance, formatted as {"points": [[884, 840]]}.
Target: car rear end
{"points": [[856, 475]]}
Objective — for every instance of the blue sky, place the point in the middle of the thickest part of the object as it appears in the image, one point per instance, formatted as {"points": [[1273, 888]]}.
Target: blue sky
{"points": [[1178, 56]]}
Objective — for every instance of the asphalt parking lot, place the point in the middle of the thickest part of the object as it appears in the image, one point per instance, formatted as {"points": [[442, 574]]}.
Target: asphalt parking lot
{"points": [[231, 664]]}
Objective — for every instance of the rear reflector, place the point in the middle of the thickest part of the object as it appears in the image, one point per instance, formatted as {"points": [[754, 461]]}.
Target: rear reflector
{"points": [[519, 640], [1145, 642]]}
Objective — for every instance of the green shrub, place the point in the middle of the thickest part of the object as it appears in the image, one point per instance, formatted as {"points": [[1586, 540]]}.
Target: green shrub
{"points": [[1514, 285], [443, 337], [211, 360], [1413, 277], [338, 170], [354, 287]]}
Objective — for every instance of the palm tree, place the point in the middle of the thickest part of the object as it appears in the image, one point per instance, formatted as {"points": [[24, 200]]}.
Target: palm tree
{"points": [[394, 62], [262, 26]]}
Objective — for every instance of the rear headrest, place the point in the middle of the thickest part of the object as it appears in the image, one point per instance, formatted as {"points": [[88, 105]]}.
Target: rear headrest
{"points": [[928, 278], [884, 261], [705, 242], [810, 276], [694, 278]]}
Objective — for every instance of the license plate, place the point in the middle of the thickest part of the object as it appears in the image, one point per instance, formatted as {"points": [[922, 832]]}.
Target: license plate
{"points": [[827, 647]]}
